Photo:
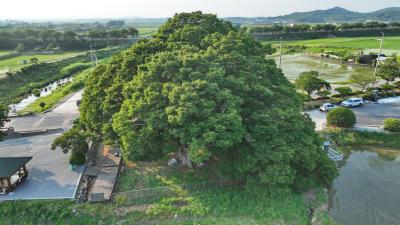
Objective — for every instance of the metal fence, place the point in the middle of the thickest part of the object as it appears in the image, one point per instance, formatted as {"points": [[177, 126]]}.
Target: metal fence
{"points": [[149, 194]]}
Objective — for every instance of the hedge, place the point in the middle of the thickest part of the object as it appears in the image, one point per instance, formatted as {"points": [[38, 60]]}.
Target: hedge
{"points": [[341, 117], [392, 125]]}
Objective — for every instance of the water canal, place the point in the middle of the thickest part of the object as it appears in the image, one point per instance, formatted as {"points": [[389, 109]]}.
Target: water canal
{"points": [[367, 191]]}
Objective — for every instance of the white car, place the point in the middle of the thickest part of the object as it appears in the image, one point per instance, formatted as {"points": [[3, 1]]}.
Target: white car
{"points": [[352, 102], [326, 107]]}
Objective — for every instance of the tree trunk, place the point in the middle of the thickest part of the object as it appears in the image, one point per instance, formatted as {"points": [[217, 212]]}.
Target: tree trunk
{"points": [[184, 157]]}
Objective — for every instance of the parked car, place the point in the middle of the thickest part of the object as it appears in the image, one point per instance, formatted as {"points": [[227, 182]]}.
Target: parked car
{"points": [[326, 107], [352, 102]]}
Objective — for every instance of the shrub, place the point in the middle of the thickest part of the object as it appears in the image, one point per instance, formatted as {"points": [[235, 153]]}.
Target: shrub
{"points": [[344, 91], [392, 125], [304, 97], [324, 94], [397, 84], [387, 87], [341, 117], [77, 158], [36, 92]]}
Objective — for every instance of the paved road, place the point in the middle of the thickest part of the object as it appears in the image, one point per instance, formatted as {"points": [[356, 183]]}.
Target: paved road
{"points": [[49, 174], [61, 117], [369, 114]]}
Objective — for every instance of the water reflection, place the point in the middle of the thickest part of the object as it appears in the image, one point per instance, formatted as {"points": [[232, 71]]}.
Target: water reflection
{"points": [[293, 65], [367, 191], [43, 92]]}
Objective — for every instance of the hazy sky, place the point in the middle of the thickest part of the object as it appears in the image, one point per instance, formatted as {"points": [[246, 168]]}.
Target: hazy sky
{"points": [[71, 9]]}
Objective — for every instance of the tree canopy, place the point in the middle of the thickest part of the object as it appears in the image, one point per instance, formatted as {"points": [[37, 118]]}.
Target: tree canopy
{"points": [[309, 82], [3, 117], [204, 90]]}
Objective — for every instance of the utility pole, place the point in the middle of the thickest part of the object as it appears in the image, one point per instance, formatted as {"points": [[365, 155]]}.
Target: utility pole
{"points": [[280, 53], [91, 54], [377, 59]]}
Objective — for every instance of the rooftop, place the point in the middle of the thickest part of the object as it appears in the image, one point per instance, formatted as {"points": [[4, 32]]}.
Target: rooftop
{"points": [[10, 165]]}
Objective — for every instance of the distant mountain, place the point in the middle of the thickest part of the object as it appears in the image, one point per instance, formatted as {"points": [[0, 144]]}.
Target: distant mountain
{"points": [[336, 14]]}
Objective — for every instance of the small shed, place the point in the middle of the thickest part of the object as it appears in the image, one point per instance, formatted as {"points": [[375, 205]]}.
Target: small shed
{"points": [[12, 172]]}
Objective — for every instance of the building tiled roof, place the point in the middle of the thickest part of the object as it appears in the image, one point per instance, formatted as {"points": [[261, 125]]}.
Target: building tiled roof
{"points": [[10, 165]]}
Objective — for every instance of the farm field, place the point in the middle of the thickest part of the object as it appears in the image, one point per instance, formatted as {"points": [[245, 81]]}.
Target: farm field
{"points": [[147, 31], [16, 62], [390, 43], [4, 52]]}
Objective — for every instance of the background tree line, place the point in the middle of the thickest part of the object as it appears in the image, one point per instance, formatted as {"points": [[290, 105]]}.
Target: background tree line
{"points": [[39, 39], [276, 28]]}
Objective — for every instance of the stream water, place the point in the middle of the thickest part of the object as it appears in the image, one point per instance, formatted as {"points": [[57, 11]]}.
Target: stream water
{"points": [[367, 191], [43, 92]]}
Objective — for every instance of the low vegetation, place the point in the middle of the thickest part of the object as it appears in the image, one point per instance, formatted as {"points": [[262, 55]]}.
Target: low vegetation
{"points": [[347, 137], [58, 95], [341, 117], [392, 124]]}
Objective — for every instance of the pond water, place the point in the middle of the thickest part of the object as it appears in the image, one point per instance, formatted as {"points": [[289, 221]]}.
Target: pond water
{"points": [[43, 92], [367, 191], [293, 65]]}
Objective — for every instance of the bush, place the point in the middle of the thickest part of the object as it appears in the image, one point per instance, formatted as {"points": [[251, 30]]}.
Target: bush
{"points": [[387, 87], [77, 158], [392, 125], [36, 92], [344, 91], [397, 84], [341, 117], [304, 97]]}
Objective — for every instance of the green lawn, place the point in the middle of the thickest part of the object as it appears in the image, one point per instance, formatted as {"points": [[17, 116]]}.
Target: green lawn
{"points": [[147, 31], [230, 205], [16, 62], [390, 43], [4, 52]]}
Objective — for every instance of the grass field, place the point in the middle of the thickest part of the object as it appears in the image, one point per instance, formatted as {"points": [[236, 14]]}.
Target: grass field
{"points": [[147, 31], [233, 205], [16, 62], [390, 43], [4, 52]]}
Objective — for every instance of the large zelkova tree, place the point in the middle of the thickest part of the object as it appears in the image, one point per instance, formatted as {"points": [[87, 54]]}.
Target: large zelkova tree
{"points": [[3, 118], [204, 90], [309, 82]]}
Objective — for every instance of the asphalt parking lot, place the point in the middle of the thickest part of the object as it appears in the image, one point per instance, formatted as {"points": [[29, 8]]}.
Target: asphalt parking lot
{"points": [[370, 114], [49, 174]]}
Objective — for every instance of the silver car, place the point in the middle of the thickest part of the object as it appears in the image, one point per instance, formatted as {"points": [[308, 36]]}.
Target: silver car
{"points": [[352, 102], [326, 107]]}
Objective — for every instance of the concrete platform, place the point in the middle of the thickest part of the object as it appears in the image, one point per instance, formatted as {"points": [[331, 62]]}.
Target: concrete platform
{"points": [[49, 174]]}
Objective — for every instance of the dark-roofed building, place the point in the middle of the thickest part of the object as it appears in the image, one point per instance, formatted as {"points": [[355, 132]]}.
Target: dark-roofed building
{"points": [[12, 172]]}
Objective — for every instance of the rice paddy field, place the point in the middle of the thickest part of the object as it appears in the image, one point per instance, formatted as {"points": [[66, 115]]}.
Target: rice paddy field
{"points": [[18, 61], [390, 43], [4, 52]]}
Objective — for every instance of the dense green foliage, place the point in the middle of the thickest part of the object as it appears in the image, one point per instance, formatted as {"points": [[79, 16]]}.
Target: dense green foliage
{"points": [[389, 71], [341, 117], [204, 90], [73, 141], [39, 38], [392, 125], [344, 91], [309, 82], [321, 27], [3, 118]]}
